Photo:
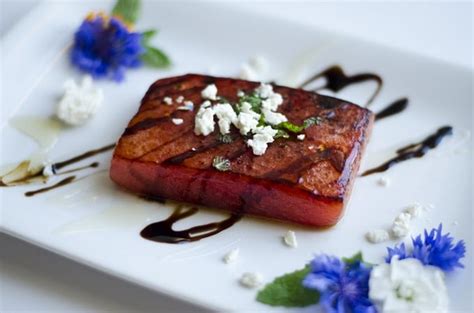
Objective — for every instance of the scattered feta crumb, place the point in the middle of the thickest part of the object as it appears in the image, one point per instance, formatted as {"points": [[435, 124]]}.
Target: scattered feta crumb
{"points": [[226, 115], [377, 235], [48, 170], [272, 102], [301, 137], [415, 209], [383, 181], [231, 256], [79, 102], [251, 280], [401, 225], [177, 121], [188, 106], [273, 118], [263, 136], [210, 92], [193, 149], [290, 239], [168, 100], [246, 122], [204, 121], [264, 90], [240, 93], [180, 99]]}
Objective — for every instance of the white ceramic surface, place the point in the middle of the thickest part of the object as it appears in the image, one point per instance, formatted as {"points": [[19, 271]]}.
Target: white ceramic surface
{"points": [[95, 223]]}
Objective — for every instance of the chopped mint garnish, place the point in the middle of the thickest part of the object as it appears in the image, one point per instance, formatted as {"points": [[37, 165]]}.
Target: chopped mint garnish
{"points": [[288, 291], [127, 10], [221, 163], [225, 138], [315, 120], [281, 134], [292, 128], [254, 100]]}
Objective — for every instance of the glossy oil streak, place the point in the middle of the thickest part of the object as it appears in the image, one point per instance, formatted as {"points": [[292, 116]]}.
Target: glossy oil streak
{"points": [[163, 231], [416, 150]]}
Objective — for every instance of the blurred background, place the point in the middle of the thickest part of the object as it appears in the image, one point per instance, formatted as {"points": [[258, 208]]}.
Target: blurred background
{"points": [[29, 281]]}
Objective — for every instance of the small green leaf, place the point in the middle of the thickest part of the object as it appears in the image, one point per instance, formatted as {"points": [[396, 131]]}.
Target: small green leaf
{"points": [[254, 100], [147, 35], [225, 138], [221, 163], [128, 10], [155, 57], [288, 291], [353, 259], [315, 120], [290, 127], [281, 134]]}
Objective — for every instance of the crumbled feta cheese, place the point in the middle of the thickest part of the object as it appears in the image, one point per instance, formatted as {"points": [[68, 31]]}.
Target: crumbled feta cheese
{"points": [[204, 121], [231, 256], [301, 137], [251, 280], [79, 102], [377, 235], [177, 121], [383, 181], [180, 99], [168, 100], [226, 115], [188, 106], [246, 107], [247, 72], [264, 90], [263, 136], [273, 118], [206, 104], [48, 170], [246, 122], [401, 225], [415, 209], [272, 102], [210, 92], [240, 93], [290, 239]]}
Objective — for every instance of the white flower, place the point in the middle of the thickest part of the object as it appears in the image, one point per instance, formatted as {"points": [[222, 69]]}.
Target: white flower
{"points": [[408, 286]]}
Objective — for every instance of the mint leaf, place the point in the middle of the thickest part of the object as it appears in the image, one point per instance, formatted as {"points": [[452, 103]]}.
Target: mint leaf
{"points": [[155, 57], [281, 134], [315, 120], [254, 100], [127, 10], [290, 127], [221, 163], [288, 291], [147, 35]]}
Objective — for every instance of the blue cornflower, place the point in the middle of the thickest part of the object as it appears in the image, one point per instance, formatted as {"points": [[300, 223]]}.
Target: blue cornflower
{"points": [[343, 287], [105, 47], [436, 249]]}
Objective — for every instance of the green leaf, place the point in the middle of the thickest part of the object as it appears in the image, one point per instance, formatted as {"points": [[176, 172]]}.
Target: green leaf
{"points": [[155, 57], [288, 291], [225, 138], [254, 100], [355, 258], [221, 163], [127, 10], [147, 35], [315, 120], [290, 127], [281, 134]]}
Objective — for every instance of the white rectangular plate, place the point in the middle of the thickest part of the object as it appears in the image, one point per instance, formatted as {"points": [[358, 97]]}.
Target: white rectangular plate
{"points": [[95, 223]]}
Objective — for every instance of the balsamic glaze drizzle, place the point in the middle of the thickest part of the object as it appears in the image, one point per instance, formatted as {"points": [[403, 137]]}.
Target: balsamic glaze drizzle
{"points": [[61, 183], [396, 107], [163, 231], [85, 155], [416, 150], [337, 80]]}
